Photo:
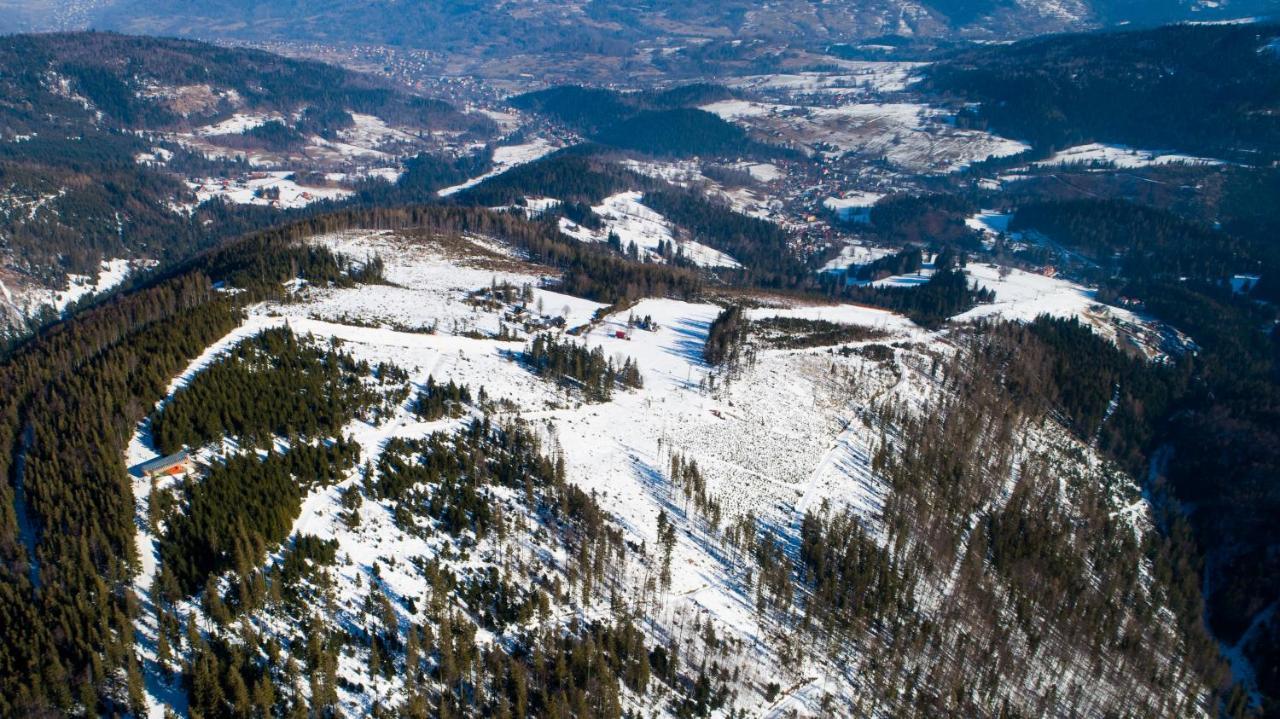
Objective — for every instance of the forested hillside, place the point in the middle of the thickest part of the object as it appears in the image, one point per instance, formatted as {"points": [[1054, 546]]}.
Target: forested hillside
{"points": [[100, 133], [1206, 90], [1143, 243], [658, 123], [97, 373], [62, 81], [463, 490], [1217, 413]]}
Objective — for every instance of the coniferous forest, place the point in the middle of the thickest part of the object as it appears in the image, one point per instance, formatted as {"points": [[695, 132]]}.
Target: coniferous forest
{"points": [[273, 384], [585, 369]]}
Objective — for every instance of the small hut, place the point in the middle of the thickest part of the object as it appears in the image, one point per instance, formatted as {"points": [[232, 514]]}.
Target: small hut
{"points": [[178, 463]]}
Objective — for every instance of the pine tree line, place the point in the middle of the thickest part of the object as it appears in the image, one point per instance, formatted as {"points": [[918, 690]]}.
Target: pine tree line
{"points": [[725, 336], [275, 384], [73, 395], [586, 369], [435, 401]]}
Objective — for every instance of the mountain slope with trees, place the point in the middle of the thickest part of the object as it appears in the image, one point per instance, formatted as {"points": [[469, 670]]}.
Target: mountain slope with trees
{"points": [[1211, 90], [81, 113]]}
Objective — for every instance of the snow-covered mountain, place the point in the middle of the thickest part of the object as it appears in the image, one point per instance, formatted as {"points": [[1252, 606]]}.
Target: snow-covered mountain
{"points": [[750, 374], [845, 527], [527, 26]]}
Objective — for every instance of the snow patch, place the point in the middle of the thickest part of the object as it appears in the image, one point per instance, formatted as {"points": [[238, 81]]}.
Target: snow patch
{"points": [[505, 158], [260, 188], [632, 221], [1120, 156]]}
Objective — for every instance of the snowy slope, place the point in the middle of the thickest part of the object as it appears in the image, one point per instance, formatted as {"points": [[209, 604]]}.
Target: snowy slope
{"points": [[505, 158], [787, 433], [258, 189], [632, 221]]}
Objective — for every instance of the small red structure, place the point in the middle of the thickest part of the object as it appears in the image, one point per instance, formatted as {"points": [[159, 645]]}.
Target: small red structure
{"points": [[176, 464], [621, 334]]}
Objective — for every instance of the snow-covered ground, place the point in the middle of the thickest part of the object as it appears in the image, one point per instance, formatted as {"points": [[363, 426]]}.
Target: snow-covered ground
{"points": [[505, 158], [237, 124], [746, 200], [627, 217], [853, 206], [854, 254], [1025, 295], [373, 131], [989, 222], [390, 174], [893, 325], [427, 284], [23, 301], [112, 273], [854, 78], [911, 136], [739, 109], [256, 189], [789, 432], [764, 171], [1121, 157], [908, 280], [1022, 296]]}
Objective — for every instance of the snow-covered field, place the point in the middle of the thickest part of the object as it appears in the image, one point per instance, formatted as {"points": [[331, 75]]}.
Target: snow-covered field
{"points": [[739, 109], [989, 222], [747, 200], [505, 158], [1023, 296], [237, 124], [112, 273], [259, 189], [763, 171], [390, 174], [625, 216], [427, 285], [911, 136], [1121, 157], [25, 300], [854, 78], [372, 131], [854, 254], [893, 325], [853, 206]]}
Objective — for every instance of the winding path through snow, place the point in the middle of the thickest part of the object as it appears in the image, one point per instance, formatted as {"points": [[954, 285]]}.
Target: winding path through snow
{"points": [[165, 692]]}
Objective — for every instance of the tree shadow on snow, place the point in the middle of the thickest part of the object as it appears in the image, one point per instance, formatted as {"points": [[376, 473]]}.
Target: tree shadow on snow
{"points": [[691, 338]]}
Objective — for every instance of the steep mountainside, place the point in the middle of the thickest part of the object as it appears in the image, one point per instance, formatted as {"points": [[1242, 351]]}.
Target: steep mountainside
{"points": [[433, 482]]}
